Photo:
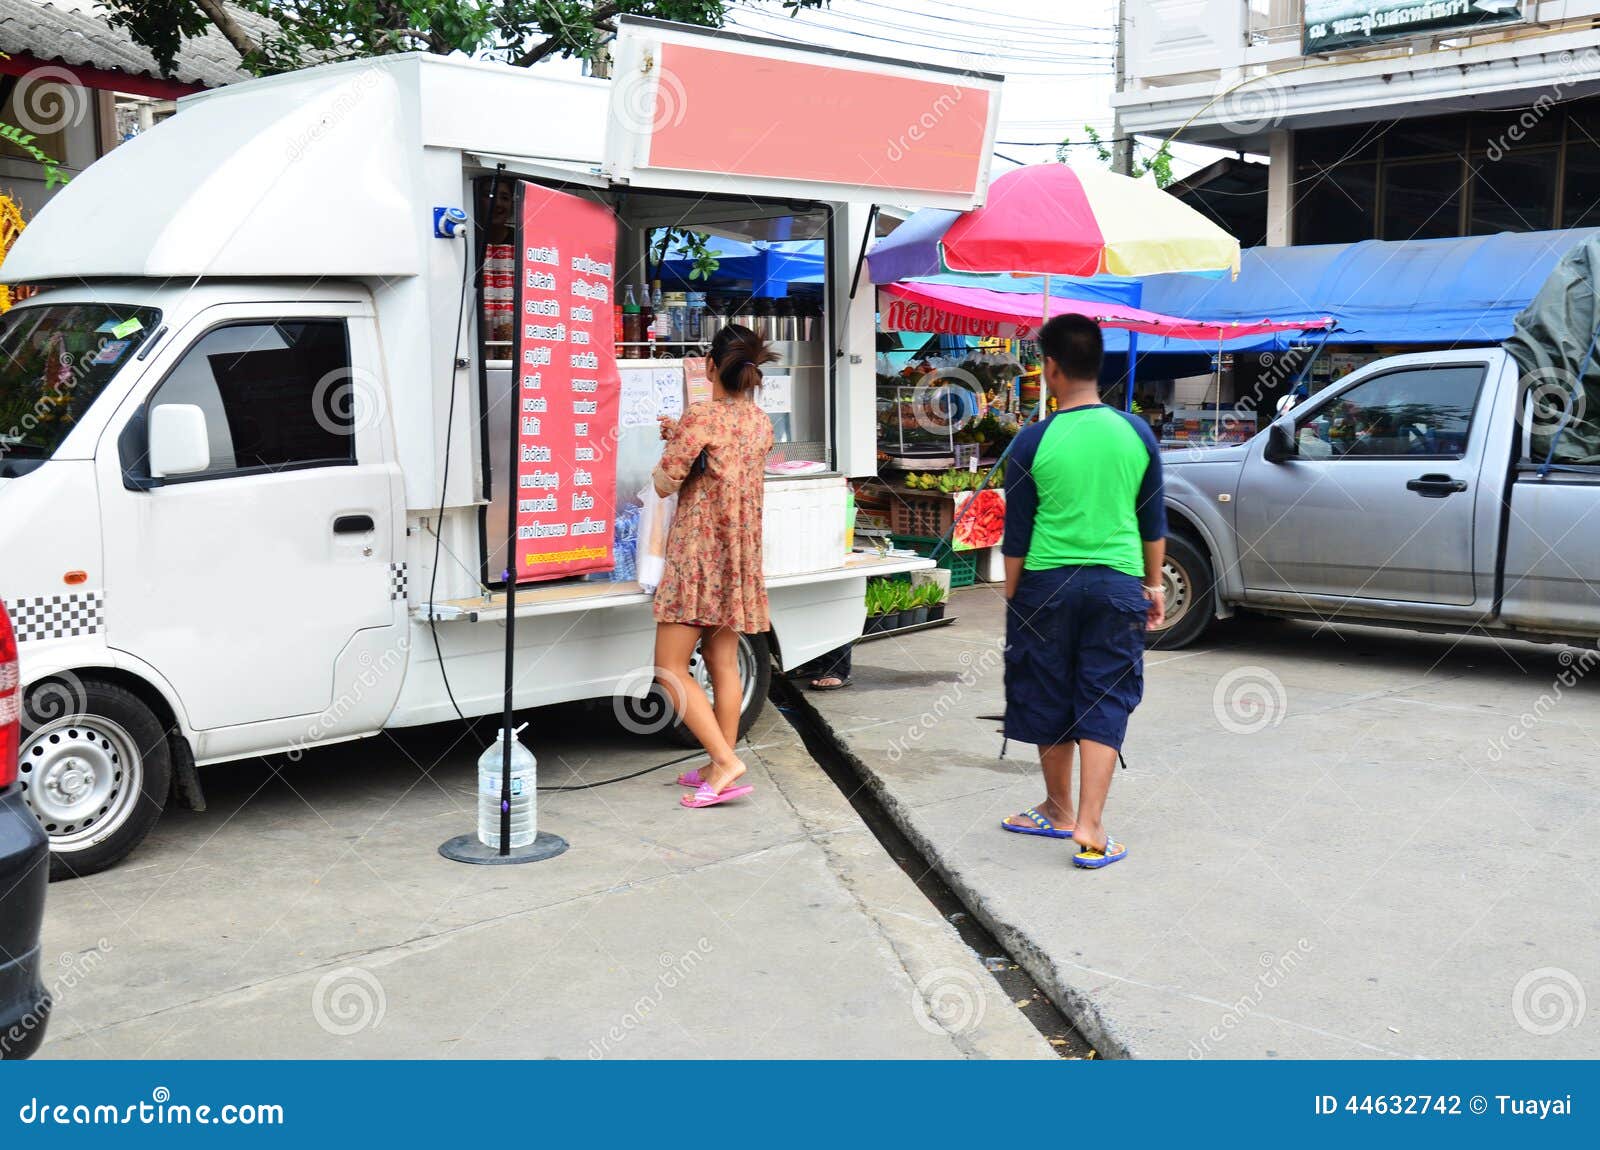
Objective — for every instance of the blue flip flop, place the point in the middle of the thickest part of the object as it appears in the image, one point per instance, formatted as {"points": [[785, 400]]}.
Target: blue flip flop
{"points": [[1091, 859], [1041, 826]]}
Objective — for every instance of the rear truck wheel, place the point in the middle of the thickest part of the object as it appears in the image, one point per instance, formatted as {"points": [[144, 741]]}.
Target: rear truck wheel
{"points": [[1188, 580], [95, 770], [653, 712]]}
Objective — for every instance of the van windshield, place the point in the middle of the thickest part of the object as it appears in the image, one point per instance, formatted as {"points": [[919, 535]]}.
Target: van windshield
{"points": [[55, 359]]}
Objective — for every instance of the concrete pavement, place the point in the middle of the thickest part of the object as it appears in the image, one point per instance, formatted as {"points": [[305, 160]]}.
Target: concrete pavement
{"points": [[307, 914], [1344, 842]]}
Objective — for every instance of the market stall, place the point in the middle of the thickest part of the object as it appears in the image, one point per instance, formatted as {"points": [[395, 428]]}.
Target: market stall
{"points": [[1039, 224], [945, 422]]}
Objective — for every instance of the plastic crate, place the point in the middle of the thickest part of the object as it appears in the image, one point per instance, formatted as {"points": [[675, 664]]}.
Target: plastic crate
{"points": [[925, 516], [962, 565]]}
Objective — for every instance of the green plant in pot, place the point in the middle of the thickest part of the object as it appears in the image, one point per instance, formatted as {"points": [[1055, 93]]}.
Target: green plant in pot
{"points": [[900, 603], [934, 596], [877, 606], [917, 600]]}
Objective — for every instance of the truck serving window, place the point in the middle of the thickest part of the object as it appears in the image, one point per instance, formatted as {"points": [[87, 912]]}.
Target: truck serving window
{"points": [[276, 395], [55, 360]]}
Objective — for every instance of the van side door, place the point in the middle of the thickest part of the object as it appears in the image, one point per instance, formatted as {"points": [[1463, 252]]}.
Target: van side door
{"points": [[262, 584]]}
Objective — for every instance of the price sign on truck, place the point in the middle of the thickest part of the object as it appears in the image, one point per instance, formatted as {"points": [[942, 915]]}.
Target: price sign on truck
{"points": [[566, 387]]}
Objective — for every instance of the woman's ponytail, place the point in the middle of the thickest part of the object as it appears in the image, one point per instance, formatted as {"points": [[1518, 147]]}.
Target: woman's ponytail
{"points": [[739, 353]]}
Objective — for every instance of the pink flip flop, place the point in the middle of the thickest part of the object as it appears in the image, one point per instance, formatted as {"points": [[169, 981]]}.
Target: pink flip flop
{"points": [[704, 796], [691, 779]]}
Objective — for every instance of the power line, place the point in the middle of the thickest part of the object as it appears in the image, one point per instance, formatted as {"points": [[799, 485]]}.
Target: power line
{"points": [[1073, 121], [980, 51], [964, 51], [1006, 71], [1027, 21], [1032, 32]]}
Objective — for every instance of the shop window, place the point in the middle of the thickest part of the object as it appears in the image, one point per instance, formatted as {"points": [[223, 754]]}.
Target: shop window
{"points": [[1515, 193], [1497, 131], [1580, 189], [1336, 208], [1431, 136], [1324, 147], [275, 395], [1422, 201]]}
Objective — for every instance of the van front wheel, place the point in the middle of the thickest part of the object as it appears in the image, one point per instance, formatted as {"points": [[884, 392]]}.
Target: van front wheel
{"points": [[95, 769]]}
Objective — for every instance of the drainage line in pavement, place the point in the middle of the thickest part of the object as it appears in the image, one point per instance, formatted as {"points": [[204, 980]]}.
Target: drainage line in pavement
{"points": [[1063, 1037]]}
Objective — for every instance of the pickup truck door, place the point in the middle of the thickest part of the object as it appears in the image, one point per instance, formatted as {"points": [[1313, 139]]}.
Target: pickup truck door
{"points": [[1377, 501]]}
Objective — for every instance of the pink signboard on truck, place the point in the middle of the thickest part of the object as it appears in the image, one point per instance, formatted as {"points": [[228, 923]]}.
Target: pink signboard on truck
{"points": [[566, 387], [722, 110]]}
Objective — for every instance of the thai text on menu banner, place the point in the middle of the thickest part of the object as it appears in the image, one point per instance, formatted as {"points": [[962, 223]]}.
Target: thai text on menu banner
{"points": [[567, 385]]}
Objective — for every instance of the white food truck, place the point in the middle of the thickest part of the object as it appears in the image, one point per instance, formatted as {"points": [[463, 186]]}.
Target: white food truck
{"points": [[254, 430]]}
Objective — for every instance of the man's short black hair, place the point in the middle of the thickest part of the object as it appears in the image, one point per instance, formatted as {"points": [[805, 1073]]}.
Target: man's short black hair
{"points": [[1075, 343]]}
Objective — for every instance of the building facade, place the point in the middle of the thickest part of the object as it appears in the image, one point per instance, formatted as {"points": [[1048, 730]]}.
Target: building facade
{"points": [[72, 87], [1407, 119]]}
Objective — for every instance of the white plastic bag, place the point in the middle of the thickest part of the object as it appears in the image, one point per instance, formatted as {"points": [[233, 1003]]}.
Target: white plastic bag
{"points": [[655, 522]]}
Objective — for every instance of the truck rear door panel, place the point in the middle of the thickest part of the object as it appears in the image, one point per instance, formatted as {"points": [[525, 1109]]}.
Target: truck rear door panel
{"points": [[1552, 568]]}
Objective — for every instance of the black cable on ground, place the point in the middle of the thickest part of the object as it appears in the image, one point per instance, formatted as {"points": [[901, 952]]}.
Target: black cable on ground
{"points": [[625, 778]]}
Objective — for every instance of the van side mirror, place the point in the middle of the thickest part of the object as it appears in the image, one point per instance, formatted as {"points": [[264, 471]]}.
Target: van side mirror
{"points": [[1281, 446], [179, 444]]}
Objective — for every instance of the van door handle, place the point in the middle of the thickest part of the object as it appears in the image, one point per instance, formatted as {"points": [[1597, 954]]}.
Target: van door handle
{"points": [[1436, 486], [352, 524]]}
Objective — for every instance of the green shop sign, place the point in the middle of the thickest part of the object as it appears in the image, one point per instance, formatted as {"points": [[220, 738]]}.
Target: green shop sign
{"points": [[1345, 25]]}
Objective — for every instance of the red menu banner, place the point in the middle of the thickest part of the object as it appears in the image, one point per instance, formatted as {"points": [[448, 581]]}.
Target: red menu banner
{"points": [[567, 389]]}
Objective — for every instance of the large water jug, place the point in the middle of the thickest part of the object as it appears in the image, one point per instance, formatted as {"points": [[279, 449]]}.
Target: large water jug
{"points": [[524, 778]]}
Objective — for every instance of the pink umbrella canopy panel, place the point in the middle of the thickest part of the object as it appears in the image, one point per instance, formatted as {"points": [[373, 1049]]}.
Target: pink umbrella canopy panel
{"points": [[947, 309], [1052, 219]]}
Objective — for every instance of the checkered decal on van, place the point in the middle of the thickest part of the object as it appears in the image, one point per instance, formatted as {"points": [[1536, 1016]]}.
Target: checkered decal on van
{"points": [[58, 616], [397, 580]]}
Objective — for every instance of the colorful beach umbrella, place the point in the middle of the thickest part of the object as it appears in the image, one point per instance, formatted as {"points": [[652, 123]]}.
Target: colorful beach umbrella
{"points": [[1056, 220]]}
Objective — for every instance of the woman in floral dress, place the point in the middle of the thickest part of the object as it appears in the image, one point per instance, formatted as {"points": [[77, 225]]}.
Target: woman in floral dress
{"points": [[715, 460]]}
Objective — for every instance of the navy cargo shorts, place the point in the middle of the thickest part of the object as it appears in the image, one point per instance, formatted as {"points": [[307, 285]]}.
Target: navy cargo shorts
{"points": [[1074, 655]]}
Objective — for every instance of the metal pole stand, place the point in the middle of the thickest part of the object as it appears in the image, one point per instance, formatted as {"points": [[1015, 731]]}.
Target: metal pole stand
{"points": [[471, 849]]}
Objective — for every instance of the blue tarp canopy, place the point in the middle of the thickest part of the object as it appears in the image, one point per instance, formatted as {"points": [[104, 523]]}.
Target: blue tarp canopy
{"points": [[769, 267], [1447, 291]]}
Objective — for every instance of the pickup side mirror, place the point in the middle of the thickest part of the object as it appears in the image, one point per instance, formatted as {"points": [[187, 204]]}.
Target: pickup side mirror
{"points": [[179, 444], [1281, 446]]}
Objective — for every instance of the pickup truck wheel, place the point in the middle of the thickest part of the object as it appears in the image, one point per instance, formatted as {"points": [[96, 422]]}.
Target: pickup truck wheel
{"points": [[1186, 575], [653, 712], [95, 770]]}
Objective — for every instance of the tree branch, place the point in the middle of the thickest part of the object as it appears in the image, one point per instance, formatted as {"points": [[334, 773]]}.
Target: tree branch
{"points": [[229, 27], [388, 36], [601, 14]]}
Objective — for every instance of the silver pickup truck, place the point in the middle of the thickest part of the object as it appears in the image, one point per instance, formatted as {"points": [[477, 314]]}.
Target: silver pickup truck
{"points": [[1406, 494]]}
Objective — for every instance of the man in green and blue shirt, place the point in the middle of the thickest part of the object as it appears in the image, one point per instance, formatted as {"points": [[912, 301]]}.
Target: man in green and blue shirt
{"points": [[1084, 544]]}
